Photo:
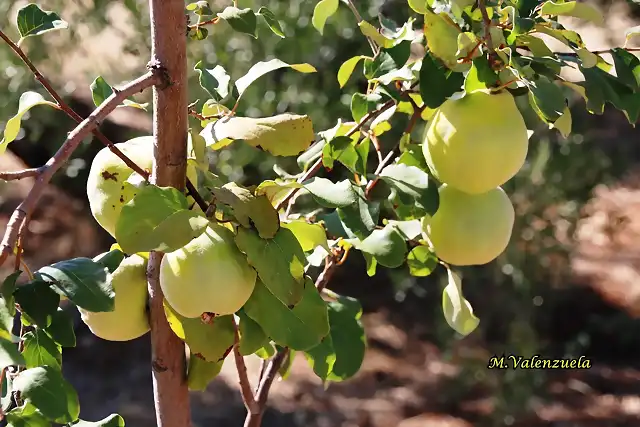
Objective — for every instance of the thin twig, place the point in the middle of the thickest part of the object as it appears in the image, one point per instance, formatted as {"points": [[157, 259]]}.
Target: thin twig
{"points": [[67, 109], [25, 173], [262, 394], [487, 25], [245, 386], [203, 23], [599, 52], [355, 12], [22, 213]]}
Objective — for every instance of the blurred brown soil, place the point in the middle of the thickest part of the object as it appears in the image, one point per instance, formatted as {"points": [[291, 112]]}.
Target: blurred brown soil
{"points": [[403, 377]]}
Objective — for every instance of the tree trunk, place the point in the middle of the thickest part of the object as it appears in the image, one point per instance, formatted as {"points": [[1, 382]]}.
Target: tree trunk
{"points": [[168, 25]]}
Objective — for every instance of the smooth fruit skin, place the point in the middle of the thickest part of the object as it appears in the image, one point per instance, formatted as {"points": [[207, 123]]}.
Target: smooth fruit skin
{"points": [[477, 142], [208, 275], [470, 229], [129, 319], [106, 190]]}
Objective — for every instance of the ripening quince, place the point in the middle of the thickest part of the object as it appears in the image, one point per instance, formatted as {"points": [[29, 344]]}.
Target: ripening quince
{"points": [[208, 275], [106, 187], [470, 229], [476, 143], [129, 319]]}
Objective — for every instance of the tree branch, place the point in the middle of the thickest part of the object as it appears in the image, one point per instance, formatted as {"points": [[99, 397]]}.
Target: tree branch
{"points": [[21, 214], [245, 386], [487, 25], [170, 127], [66, 108], [355, 12], [270, 374], [21, 174]]}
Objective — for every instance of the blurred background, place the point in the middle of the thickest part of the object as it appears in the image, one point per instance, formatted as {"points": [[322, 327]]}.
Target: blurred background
{"points": [[567, 287]]}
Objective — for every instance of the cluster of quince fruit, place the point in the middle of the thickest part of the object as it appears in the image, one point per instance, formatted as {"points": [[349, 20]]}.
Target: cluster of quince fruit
{"points": [[207, 275], [473, 145]]}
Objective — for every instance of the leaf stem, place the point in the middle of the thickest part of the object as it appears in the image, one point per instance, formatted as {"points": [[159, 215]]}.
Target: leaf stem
{"points": [[245, 386]]}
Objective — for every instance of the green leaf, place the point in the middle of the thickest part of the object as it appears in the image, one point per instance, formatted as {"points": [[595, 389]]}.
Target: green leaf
{"points": [[323, 11], [361, 218], [6, 291], [601, 87], [215, 81], [481, 76], [85, 282], [6, 322], [419, 6], [41, 350], [572, 8], [442, 83], [442, 39], [546, 98], [198, 33], [200, 8], [279, 262], [340, 354], [261, 68], [362, 104], [409, 229], [281, 135], [33, 21], [309, 235], [301, 327], [241, 20], [421, 261], [249, 210], [61, 329], [631, 33], [372, 264], [387, 246], [564, 123], [26, 416], [346, 69], [252, 337], [413, 183], [271, 20], [111, 260], [380, 65], [285, 369], [158, 218], [276, 191], [200, 372], [38, 301], [330, 195], [627, 67], [266, 352], [100, 90], [46, 389], [9, 354], [343, 150], [12, 128], [113, 420], [210, 341], [372, 32], [457, 310]]}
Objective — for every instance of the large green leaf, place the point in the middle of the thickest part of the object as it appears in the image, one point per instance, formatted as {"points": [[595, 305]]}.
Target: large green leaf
{"points": [[82, 280], [330, 194], [341, 353], [252, 337], [572, 8], [387, 246], [6, 321], [33, 21], [241, 20], [211, 341], [438, 83], [422, 261], [26, 416], [271, 20], [111, 260], [346, 69], [249, 210], [300, 327], [457, 311], [158, 218], [413, 184], [9, 354], [61, 329], [261, 68], [6, 291], [324, 10], [200, 372], [40, 349], [38, 301], [215, 81], [12, 128], [282, 135], [46, 389], [279, 262], [309, 235]]}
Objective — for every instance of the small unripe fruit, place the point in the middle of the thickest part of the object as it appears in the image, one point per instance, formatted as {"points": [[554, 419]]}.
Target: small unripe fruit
{"points": [[476, 143], [106, 187], [208, 275], [470, 229], [129, 318]]}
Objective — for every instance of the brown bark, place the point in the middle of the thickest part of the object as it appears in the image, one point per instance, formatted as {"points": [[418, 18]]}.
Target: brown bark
{"points": [[169, 26]]}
